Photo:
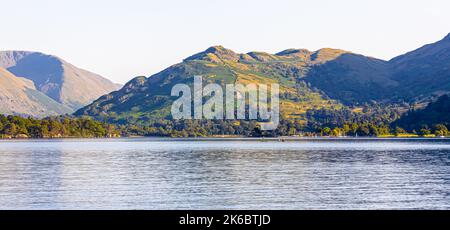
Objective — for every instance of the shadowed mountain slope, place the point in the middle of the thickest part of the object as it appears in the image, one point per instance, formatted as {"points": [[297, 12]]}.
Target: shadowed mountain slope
{"points": [[18, 96], [56, 78]]}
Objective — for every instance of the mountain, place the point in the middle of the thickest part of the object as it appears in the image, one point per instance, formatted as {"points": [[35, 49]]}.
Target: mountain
{"points": [[414, 76], [309, 80], [18, 96], [353, 79], [145, 99], [423, 71], [56, 78]]}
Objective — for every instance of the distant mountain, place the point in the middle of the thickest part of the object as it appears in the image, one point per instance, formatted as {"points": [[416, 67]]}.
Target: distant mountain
{"points": [[423, 71], [18, 96], [309, 80], [56, 78]]}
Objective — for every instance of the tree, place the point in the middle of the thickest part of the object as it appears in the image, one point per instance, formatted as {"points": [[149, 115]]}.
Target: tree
{"points": [[326, 131], [364, 130], [35, 131], [336, 132], [399, 130], [441, 130], [346, 129], [424, 131], [10, 129], [354, 129]]}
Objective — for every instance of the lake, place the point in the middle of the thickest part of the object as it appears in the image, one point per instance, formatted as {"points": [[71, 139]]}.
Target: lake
{"points": [[158, 173]]}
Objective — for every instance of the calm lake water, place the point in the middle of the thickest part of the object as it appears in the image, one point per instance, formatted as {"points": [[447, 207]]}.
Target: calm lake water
{"points": [[232, 174]]}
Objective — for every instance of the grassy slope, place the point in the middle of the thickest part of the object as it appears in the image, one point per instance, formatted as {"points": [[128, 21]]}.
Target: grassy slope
{"points": [[145, 99]]}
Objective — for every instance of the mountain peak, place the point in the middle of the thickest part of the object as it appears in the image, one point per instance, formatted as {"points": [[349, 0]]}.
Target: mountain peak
{"points": [[217, 49], [215, 54], [326, 54]]}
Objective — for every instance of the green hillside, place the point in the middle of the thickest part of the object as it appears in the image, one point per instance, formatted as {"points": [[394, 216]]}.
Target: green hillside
{"points": [[145, 99]]}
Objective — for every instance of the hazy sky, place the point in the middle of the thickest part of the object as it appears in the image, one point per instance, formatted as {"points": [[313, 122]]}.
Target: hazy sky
{"points": [[123, 39]]}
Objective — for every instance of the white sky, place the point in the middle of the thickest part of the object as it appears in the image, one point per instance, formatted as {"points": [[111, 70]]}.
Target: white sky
{"points": [[124, 39]]}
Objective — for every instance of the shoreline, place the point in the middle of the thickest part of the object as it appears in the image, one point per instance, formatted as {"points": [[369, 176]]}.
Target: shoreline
{"points": [[235, 138]]}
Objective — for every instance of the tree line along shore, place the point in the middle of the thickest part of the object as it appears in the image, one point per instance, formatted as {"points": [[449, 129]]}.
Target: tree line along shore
{"points": [[85, 127]]}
